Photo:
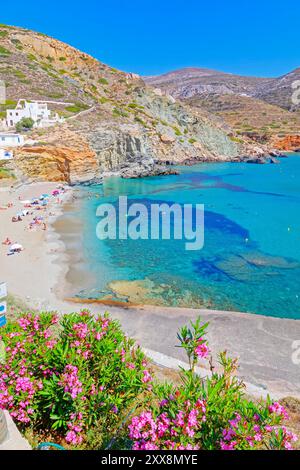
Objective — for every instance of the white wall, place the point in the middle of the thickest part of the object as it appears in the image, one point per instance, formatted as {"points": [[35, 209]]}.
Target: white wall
{"points": [[11, 140]]}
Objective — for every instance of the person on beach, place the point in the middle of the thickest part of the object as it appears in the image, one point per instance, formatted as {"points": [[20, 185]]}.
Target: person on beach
{"points": [[16, 219], [7, 241]]}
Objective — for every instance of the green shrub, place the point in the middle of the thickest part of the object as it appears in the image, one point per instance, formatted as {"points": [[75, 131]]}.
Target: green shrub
{"points": [[103, 81], [3, 34], [120, 112], [141, 121], [103, 100], [177, 131], [25, 124], [236, 139], [76, 108], [32, 57], [4, 51], [71, 374]]}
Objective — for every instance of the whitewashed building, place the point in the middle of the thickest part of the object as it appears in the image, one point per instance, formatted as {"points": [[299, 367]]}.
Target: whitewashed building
{"points": [[6, 154], [36, 110], [11, 140]]}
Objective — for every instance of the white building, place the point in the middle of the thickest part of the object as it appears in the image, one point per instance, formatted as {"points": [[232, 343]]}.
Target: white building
{"points": [[11, 140], [36, 110], [6, 154]]}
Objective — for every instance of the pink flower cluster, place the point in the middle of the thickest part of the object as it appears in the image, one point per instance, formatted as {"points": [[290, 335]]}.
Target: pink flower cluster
{"points": [[201, 350], [278, 410], [166, 432], [17, 391], [70, 381], [241, 432], [75, 427]]}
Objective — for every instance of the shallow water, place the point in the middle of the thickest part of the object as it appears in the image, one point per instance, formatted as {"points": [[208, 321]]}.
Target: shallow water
{"points": [[251, 257]]}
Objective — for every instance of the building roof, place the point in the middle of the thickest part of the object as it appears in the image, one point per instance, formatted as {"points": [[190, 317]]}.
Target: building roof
{"points": [[7, 134]]}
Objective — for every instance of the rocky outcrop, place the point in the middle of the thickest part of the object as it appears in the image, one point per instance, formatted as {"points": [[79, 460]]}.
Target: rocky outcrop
{"points": [[288, 143], [146, 167], [50, 163]]}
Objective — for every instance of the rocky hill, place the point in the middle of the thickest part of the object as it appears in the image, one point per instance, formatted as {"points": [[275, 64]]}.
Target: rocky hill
{"points": [[113, 121], [259, 108], [190, 82], [280, 91]]}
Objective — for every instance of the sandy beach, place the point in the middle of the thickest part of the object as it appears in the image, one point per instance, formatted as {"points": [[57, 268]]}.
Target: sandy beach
{"points": [[33, 273], [38, 275]]}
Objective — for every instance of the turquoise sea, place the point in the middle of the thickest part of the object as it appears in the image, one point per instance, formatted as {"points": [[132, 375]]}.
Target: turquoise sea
{"points": [[251, 256]]}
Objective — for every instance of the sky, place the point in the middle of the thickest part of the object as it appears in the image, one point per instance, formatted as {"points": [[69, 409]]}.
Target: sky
{"points": [[153, 37]]}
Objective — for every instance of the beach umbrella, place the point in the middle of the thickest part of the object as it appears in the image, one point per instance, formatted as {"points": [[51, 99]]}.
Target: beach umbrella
{"points": [[16, 246], [55, 192]]}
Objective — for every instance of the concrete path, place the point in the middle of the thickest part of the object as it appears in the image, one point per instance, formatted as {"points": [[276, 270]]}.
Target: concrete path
{"points": [[265, 346], [14, 441]]}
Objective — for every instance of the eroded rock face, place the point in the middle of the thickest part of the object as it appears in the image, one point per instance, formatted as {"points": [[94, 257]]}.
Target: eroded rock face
{"points": [[288, 143], [113, 146], [50, 163]]}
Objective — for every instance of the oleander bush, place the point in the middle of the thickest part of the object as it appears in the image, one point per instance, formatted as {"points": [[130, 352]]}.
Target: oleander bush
{"points": [[67, 375]]}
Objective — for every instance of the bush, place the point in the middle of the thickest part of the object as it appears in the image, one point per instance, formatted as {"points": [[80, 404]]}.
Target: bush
{"points": [[25, 124], [103, 81], [63, 377], [76, 108], [4, 51], [210, 414]]}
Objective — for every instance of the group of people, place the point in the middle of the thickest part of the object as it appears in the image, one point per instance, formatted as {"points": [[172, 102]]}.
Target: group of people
{"points": [[29, 208]]}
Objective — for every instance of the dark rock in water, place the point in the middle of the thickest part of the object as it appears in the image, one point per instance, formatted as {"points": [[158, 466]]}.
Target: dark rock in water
{"points": [[297, 150], [283, 155], [94, 181], [274, 160], [142, 168], [260, 160]]}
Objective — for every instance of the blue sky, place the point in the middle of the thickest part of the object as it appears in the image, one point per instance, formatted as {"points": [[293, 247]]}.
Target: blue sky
{"points": [[152, 37]]}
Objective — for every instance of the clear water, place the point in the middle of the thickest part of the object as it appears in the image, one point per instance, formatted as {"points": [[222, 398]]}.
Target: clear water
{"points": [[251, 258]]}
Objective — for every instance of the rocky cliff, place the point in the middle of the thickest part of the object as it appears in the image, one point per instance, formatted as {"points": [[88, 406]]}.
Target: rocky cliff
{"points": [[113, 121], [288, 143]]}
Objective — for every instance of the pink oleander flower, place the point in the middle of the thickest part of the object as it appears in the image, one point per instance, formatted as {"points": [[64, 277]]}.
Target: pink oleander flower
{"points": [[51, 343], [278, 409], [81, 330], [146, 376], [201, 350], [70, 381], [228, 445], [24, 323]]}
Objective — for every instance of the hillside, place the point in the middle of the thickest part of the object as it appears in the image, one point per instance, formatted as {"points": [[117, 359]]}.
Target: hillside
{"points": [[189, 82], [114, 122], [259, 108]]}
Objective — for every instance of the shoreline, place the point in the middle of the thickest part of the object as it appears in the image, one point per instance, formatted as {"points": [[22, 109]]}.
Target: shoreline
{"points": [[39, 276]]}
